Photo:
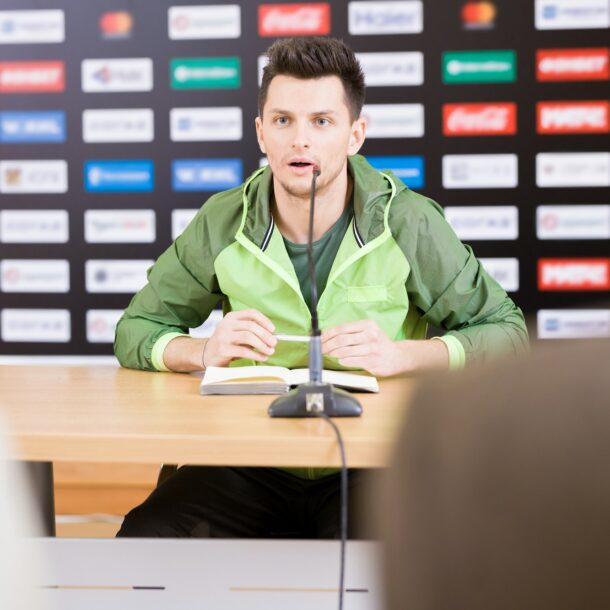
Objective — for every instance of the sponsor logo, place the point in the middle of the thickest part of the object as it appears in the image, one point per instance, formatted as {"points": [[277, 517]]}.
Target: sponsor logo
{"points": [[574, 274], [118, 125], [32, 76], [573, 222], [392, 69], [35, 325], [479, 15], [103, 75], [480, 171], [398, 17], [205, 124], [394, 120], [487, 119], [116, 25], [572, 169], [479, 67], [32, 127], [573, 323], [31, 27], [196, 22], [572, 64], [573, 117], [125, 276], [504, 270], [101, 324], [572, 14], [206, 73], [409, 169], [119, 176], [207, 329], [484, 222], [181, 219], [294, 19], [33, 176], [42, 275], [34, 226], [119, 226], [206, 174]]}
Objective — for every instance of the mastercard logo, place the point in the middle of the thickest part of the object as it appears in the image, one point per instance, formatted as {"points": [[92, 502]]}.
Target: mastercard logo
{"points": [[116, 24], [479, 15]]}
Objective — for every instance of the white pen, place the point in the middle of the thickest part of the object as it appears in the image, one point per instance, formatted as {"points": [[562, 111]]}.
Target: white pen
{"points": [[303, 338]]}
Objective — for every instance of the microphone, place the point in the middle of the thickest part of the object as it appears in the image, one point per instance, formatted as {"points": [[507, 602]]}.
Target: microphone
{"points": [[315, 398]]}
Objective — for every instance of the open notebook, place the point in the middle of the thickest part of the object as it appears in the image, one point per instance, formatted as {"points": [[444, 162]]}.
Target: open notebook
{"points": [[275, 380]]}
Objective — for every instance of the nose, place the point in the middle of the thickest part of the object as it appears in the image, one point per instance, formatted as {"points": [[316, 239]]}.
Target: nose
{"points": [[300, 139]]}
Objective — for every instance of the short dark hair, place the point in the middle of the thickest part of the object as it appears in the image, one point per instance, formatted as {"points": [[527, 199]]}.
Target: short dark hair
{"points": [[313, 58]]}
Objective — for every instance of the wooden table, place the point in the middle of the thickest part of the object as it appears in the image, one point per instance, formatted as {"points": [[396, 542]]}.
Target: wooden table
{"points": [[110, 414]]}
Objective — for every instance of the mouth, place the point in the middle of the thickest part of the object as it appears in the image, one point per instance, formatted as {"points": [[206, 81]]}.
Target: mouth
{"points": [[301, 167]]}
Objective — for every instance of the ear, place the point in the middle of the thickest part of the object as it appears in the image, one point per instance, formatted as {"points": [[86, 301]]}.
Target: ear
{"points": [[258, 122], [357, 136]]}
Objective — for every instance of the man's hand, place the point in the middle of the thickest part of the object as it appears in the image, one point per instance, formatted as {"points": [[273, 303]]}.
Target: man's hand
{"points": [[362, 344], [240, 334]]}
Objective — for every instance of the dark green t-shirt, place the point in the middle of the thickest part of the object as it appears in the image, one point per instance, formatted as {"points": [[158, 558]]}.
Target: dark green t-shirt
{"points": [[324, 252]]}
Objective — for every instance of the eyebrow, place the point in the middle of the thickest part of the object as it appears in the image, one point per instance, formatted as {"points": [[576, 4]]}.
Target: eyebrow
{"points": [[315, 113]]}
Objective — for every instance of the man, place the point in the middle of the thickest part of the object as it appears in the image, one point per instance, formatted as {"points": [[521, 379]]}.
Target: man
{"points": [[498, 495], [387, 264]]}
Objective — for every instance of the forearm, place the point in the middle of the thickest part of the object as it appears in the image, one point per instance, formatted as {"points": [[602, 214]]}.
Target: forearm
{"points": [[184, 354], [422, 355]]}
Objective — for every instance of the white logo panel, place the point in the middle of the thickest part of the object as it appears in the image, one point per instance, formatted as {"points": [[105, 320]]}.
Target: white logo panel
{"points": [[34, 226], [480, 171], [34, 275], [572, 14], [31, 27], [573, 323], [572, 169], [504, 270], [118, 125], [119, 226], [394, 120], [392, 69], [18, 176], [101, 324], [205, 124], [484, 222], [104, 75], [125, 276], [573, 222], [35, 325], [398, 17], [181, 219], [201, 22]]}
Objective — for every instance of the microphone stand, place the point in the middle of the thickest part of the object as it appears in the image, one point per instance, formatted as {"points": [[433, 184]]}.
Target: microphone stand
{"points": [[315, 398]]}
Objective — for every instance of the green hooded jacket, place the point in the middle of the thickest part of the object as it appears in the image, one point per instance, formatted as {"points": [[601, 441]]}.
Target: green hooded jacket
{"points": [[399, 264]]}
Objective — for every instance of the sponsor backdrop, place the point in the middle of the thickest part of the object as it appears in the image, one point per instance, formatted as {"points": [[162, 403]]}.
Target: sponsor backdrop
{"points": [[119, 119]]}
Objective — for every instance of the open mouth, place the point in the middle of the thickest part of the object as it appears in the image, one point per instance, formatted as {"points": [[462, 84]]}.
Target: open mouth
{"points": [[301, 164]]}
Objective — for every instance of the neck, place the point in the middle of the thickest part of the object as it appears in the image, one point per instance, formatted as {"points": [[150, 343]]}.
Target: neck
{"points": [[291, 213]]}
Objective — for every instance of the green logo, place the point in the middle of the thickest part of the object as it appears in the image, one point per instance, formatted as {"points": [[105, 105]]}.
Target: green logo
{"points": [[205, 73], [479, 67]]}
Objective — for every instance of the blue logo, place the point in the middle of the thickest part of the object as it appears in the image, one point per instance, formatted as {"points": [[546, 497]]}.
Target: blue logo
{"points": [[409, 169], [32, 127], [549, 11], [206, 174], [119, 176]]}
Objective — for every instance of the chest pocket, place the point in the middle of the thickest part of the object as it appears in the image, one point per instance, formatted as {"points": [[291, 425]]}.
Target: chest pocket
{"points": [[367, 294]]}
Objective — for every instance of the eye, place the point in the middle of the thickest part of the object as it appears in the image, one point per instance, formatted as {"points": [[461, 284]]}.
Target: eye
{"points": [[322, 121], [282, 120]]}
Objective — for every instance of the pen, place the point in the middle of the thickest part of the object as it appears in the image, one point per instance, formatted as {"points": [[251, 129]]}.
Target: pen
{"points": [[302, 338]]}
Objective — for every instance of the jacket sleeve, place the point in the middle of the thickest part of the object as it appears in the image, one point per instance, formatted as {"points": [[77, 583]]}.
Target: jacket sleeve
{"points": [[452, 290], [175, 299]]}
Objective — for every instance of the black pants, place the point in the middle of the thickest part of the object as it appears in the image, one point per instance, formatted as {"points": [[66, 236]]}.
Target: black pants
{"points": [[200, 501]]}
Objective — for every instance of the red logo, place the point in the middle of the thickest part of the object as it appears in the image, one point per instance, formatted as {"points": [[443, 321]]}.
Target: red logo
{"points": [[116, 24], [574, 274], [32, 76], [573, 117], [294, 19], [486, 119], [479, 15], [572, 64]]}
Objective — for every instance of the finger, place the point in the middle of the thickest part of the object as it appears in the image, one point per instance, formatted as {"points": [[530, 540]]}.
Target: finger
{"points": [[356, 362], [262, 333], [249, 339], [345, 340], [356, 351], [240, 351], [256, 316], [343, 329]]}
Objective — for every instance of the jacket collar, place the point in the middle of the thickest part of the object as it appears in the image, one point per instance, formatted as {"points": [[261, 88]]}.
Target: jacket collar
{"points": [[371, 194]]}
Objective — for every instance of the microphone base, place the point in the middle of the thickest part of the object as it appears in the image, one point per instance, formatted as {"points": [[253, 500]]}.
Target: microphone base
{"points": [[311, 399]]}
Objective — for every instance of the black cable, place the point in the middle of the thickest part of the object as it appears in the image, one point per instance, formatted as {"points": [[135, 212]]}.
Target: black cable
{"points": [[343, 517], [315, 329]]}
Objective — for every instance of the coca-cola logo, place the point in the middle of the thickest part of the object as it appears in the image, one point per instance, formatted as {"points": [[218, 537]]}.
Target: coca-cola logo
{"points": [[479, 119], [293, 19]]}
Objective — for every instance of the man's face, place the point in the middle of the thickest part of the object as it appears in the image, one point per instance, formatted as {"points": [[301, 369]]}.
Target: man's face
{"points": [[307, 122]]}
